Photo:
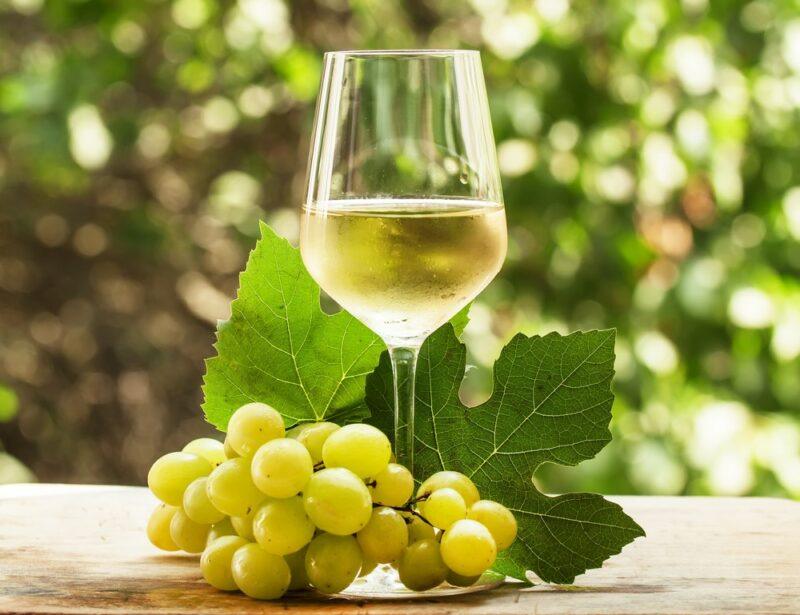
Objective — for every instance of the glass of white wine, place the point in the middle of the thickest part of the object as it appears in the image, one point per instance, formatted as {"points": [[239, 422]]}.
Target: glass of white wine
{"points": [[403, 221]]}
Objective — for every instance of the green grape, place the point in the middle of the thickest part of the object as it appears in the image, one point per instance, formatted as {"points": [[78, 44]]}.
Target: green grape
{"points": [[458, 580], [188, 535], [497, 519], [418, 529], [468, 548], [421, 566], [337, 501], [384, 537], [215, 563], [253, 425], [229, 452], [244, 524], [282, 526], [196, 504], [393, 486], [443, 508], [367, 566], [260, 574], [220, 529], [281, 468], [158, 527], [213, 451], [297, 568], [171, 474], [295, 431], [230, 488], [333, 562], [314, 437], [454, 480], [362, 449]]}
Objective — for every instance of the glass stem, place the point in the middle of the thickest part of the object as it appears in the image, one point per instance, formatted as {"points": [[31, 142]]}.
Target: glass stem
{"points": [[404, 365]]}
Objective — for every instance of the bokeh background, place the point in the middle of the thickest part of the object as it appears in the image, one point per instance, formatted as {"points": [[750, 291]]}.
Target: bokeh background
{"points": [[650, 159]]}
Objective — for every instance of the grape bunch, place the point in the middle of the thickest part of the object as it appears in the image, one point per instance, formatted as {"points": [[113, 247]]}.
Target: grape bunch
{"points": [[318, 506]]}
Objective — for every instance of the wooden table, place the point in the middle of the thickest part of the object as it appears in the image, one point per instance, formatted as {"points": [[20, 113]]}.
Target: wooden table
{"points": [[82, 549]]}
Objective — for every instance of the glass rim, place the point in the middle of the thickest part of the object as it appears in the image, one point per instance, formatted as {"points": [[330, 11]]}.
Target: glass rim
{"points": [[400, 53]]}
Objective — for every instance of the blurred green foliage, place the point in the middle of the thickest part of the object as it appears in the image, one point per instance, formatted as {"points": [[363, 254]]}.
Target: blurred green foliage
{"points": [[8, 404], [650, 173]]}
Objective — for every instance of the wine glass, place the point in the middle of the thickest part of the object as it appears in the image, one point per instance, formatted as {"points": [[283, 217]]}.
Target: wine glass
{"points": [[403, 221]]}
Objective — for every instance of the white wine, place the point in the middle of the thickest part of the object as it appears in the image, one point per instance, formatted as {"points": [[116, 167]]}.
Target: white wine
{"points": [[403, 267]]}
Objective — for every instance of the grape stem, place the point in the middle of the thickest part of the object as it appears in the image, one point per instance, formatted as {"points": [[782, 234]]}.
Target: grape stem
{"points": [[408, 508], [416, 514], [420, 498]]}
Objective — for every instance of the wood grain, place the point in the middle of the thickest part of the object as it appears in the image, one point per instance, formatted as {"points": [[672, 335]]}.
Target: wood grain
{"points": [[81, 549]]}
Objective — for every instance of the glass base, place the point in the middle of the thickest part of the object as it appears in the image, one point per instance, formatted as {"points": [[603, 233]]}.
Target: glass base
{"points": [[383, 583]]}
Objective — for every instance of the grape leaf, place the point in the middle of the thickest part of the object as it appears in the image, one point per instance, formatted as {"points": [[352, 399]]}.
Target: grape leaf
{"points": [[461, 320], [551, 403], [280, 348]]}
